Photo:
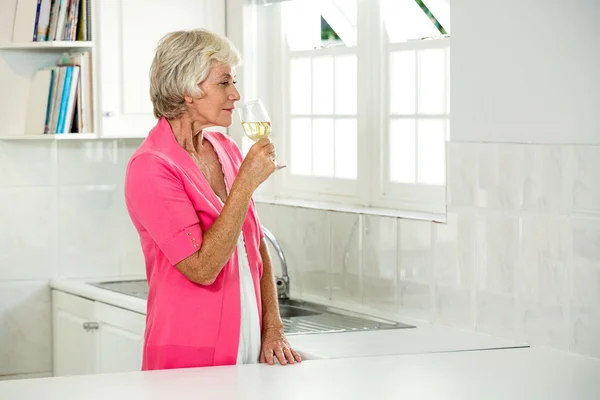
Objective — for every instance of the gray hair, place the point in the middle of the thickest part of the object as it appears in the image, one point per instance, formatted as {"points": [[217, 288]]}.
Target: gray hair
{"points": [[182, 61]]}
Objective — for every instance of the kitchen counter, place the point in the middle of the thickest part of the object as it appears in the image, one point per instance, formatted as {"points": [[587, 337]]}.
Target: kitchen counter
{"points": [[507, 374], [425, 338]]}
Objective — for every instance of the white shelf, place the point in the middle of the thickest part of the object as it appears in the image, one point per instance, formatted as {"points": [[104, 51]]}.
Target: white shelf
{"points": [[56, 45], [52, 136]]}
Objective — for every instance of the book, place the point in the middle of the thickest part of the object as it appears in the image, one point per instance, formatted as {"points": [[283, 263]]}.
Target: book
{"points": [[71, 100], [53, 19], [24, 27], [43, 21], [57, 90], [38, 101], [62, 19], [84, 91]]}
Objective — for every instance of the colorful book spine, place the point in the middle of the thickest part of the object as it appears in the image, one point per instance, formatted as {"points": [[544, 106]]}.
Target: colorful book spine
{"points": [[64, 100], [49, 108], [37, 18]]}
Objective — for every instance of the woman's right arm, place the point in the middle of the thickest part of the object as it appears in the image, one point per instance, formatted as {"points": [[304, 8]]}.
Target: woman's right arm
{"points": [[219, 241]]}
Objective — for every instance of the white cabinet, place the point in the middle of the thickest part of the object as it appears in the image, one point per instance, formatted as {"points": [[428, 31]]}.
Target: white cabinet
{"points": [[120, 339], [126, 36], [74, 340], [91, 337]]}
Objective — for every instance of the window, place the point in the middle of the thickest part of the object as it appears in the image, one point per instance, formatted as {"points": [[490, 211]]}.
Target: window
{"points": [[360, 91]]}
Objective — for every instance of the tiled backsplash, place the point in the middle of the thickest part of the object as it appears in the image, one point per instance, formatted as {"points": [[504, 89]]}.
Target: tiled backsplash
{"points": [[62, 210], [518, 258]]}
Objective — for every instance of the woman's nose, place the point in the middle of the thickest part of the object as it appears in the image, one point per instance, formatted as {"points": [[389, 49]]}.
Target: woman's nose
{"points": [[235, 95]]}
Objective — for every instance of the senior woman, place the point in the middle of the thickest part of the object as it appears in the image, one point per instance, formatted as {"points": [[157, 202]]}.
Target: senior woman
{"points": [[212, 298]]}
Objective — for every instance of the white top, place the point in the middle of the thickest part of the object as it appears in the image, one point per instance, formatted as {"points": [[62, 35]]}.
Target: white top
{"points": [[516, 374], [250, 338]]}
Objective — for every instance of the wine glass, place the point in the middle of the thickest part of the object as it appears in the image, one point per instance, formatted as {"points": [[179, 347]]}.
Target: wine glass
{"points": [[255, 121]]}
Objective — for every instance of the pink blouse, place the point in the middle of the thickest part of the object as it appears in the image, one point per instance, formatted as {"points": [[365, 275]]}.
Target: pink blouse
{"points": [[171, 204]]}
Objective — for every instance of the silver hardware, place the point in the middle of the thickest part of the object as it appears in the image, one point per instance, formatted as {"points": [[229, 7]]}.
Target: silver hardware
{"points": [[88, 326], [282, 283], [109, 114]]}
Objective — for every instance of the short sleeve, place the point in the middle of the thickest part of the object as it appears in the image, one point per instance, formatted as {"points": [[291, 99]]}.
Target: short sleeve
{"points": [[157, 200]]}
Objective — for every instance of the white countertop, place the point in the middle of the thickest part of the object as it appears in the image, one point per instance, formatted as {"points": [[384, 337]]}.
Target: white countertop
{"points": [[425, 338], [499, 374]]}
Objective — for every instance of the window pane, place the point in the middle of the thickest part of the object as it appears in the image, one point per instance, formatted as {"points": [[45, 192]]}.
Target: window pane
{"points": [[431, 151], [405, 20], [345, 85], [432, 81], [322, 68], [346, 155], [403, 82], [302, 23], [310, 24], [323, 148], [402, 151], [300, 84], [300, 147], [341, 17]]}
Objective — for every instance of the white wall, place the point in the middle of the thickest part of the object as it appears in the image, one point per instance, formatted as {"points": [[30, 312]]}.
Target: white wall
{"points": [[525, 71]]}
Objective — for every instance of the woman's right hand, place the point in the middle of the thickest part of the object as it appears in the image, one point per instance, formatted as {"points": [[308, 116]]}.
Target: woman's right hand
{"points": [[259, 163]]}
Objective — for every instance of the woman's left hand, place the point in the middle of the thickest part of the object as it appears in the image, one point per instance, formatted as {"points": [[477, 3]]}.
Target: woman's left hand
{"points": [[275, 345]]}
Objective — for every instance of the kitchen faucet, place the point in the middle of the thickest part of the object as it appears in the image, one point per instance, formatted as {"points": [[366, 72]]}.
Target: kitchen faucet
{"points": [[282, 283]]}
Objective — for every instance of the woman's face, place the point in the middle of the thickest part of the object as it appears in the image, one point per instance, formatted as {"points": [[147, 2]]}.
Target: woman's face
{"points": [[215, 107]]}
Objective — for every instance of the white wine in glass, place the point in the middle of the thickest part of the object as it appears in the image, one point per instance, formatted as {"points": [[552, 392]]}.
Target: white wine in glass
{"points": [[257, 130], [255, 121]]}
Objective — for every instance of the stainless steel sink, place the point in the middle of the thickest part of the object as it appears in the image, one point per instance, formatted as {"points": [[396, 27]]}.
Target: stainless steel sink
{"points": [[318, 318], [299, 317], [286, 311]]}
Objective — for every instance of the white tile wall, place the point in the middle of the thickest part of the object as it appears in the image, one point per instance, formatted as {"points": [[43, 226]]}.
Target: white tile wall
{"points": [[62, 214], [88, 238], [499, 249], [586, 178], [379, 263], [346, 242], [415, 268], [100, 158], [500, 178], [544, 178], [25, 327], [28, 163], [28, 237]]}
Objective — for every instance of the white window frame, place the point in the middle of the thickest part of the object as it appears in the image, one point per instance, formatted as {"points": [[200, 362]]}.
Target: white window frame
{"points": [[412, 196], [372, 188]]}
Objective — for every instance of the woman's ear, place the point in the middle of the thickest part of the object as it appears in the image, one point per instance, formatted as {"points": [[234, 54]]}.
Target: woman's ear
{"points": [[188, 99]]}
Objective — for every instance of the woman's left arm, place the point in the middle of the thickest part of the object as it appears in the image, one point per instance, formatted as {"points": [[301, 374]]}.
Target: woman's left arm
{"points": [[274, 342]]}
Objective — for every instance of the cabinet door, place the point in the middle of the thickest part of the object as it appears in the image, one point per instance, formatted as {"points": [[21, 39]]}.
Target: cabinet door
{"points": [[120, 339], [74, 335], [127, 32]]}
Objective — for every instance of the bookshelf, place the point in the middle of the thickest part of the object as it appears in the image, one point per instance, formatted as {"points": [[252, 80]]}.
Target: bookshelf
{"points": [[121, 41], [54, 45], [51, 136]]}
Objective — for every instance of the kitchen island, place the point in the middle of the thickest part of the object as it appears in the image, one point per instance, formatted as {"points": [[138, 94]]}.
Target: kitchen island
{"points": [[526, 373]]}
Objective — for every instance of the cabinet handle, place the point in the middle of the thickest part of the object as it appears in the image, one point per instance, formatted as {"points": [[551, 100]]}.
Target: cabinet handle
{"points": [[88, 326], [109, 114]]}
